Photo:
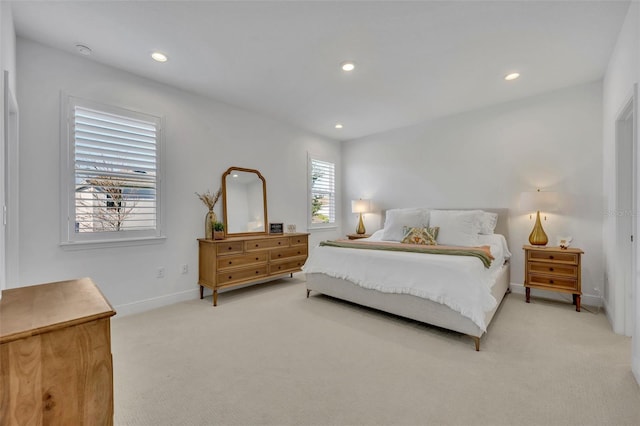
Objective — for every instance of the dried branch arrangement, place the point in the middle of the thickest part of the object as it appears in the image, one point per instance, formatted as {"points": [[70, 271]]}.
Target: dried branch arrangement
{"points": [[209, 199]]}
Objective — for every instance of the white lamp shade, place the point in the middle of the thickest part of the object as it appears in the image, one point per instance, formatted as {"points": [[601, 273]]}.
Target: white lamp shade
{"points": [[360, 206], [539, 201]]}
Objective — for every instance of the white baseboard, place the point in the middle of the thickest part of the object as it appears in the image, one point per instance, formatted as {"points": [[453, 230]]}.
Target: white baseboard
{"points": [[635, 368], [586, 299], [156, 302]]}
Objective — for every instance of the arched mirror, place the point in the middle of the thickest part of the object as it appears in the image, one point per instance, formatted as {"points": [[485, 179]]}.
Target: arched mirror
{"points": [[244, 198]]}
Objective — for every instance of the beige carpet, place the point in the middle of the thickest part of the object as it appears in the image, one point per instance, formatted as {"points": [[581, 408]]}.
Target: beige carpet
{"points": [[268, 355]]}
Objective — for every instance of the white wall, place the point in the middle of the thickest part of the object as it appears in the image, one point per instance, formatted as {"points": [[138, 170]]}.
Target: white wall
{"points": [[203, 138], [7, 63], [486, 158], [622, 72]]}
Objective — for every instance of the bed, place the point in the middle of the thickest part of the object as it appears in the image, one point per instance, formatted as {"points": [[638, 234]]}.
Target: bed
{"points": [[453, 292]]}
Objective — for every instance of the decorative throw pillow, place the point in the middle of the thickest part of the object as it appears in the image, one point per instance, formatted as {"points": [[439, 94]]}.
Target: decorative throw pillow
{"points": [[424, 236]]}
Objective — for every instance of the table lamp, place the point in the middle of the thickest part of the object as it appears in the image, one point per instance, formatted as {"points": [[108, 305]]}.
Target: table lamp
{"points": [[360, 206], [538, 201]]}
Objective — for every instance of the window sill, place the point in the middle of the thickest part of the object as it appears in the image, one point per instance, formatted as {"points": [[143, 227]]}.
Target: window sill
{"points": [[97, 244], [331, 227]]}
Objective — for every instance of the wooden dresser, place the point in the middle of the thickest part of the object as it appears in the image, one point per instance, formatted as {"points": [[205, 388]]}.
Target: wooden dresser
{"points": [[242, 260], [553, 269], [55, 355]]}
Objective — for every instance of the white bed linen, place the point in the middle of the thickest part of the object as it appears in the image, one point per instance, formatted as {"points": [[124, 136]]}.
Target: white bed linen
{"points": [[459, 282]]}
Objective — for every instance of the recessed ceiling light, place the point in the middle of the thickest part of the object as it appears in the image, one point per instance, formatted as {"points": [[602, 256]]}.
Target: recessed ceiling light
{"points": [[348, 66], [338, 126], [83, 50], [512, 76], [159, 56]]}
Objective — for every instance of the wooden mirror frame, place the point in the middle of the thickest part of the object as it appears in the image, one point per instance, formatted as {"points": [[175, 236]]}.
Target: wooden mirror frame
{"points": [[225, 203]]}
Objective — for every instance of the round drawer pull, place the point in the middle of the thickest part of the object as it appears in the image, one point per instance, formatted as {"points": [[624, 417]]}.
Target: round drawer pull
{"points": [[257, 272], [257, 258], [279, 242], [550, 281], [230, 277], [230, 263], [279, 255], [550, 257], [229, 248], [551, 269], [257, 245]]}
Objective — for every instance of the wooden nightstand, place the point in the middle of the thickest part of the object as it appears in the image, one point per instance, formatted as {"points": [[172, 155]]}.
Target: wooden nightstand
{"points": [[357, 236], [553, 269]]}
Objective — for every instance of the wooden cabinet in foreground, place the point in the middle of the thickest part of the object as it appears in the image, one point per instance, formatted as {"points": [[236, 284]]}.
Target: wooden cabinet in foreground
{"points": [[244, 260], [55, 355]]}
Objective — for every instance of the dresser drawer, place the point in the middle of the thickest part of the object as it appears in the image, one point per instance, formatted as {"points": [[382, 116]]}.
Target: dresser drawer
{"points": [[230, 247], [266, 243], [301, 240], [561, 283], [556, 269], [287, 266], [278, 254], [241, 260], [241, 274], [542, 256]]}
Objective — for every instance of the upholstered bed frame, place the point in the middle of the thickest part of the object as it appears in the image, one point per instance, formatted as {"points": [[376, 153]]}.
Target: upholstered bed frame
{"points": [[413, 307]]}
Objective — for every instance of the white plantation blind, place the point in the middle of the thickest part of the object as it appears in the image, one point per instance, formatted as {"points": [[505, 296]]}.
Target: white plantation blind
{"points": [[323, 192], [114, 156]]}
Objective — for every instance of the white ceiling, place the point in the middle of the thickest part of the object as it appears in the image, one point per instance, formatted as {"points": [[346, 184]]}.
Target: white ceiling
{"points": [[415, 60]]}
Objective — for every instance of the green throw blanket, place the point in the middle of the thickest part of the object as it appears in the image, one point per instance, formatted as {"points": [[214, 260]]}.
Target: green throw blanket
{"points": [[483, 252]]}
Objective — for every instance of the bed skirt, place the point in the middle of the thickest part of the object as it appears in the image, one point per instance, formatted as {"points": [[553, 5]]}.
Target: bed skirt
{"points": [[409, 306]]}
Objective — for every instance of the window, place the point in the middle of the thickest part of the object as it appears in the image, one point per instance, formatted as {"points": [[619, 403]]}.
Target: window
{"points": [[112, 180], [322, 184]]}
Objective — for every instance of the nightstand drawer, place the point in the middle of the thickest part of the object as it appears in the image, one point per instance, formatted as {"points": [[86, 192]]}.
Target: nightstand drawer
{"points": [[565, 283], [555, 269], [552, 256]]}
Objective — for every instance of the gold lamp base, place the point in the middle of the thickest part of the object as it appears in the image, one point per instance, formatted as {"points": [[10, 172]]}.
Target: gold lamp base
{"points": [[360, 229], [538, 236]]}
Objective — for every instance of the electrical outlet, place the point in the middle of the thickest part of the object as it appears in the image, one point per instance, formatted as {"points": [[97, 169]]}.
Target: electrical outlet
{"points": [[160, 273], [184, 269]]}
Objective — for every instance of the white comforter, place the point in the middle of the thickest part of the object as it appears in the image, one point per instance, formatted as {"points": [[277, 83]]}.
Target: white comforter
{"points": [[459, 282]]}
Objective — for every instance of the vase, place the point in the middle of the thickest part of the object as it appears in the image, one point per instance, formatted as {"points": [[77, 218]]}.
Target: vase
{"points": [[209, 220]]}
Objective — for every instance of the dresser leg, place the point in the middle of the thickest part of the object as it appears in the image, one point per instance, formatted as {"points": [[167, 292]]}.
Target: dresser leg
{"points": [[201, 292], [528, 292], [577, 302], [215, 297]]}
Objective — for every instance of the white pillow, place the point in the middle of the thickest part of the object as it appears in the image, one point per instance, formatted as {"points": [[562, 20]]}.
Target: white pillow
{"points": [[488, 223], [397, 219], [457, 227]]}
